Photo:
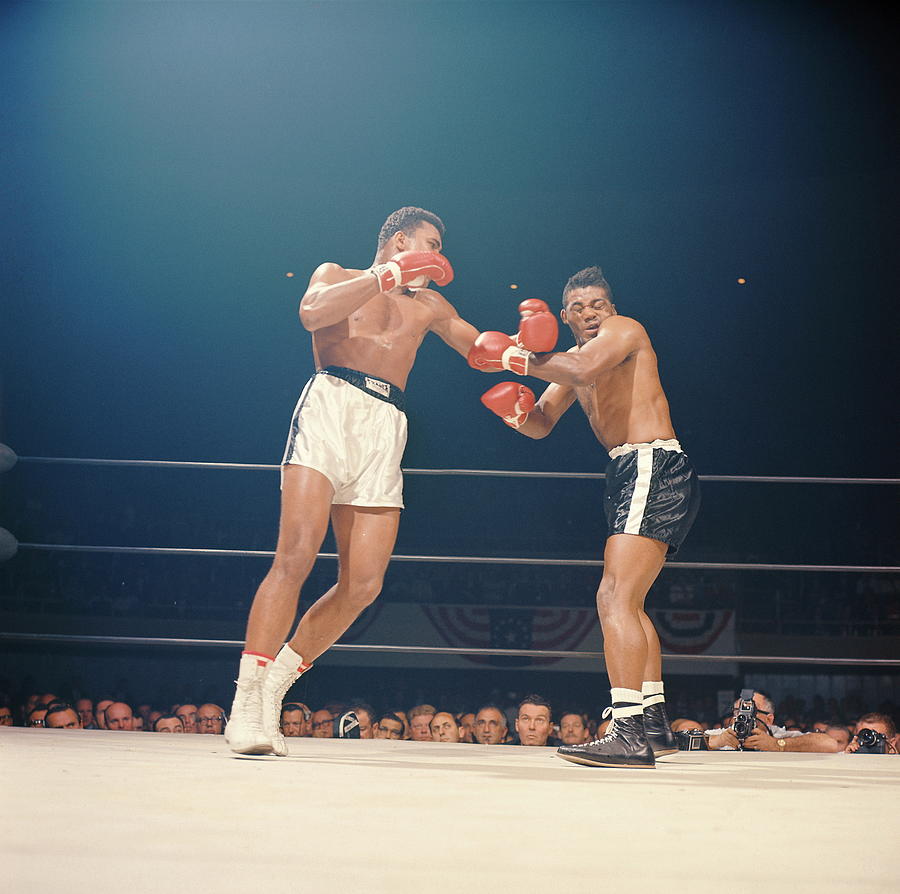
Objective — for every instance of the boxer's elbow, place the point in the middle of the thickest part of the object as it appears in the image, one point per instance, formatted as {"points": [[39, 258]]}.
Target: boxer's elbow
{"points": [[537, 426], [311, 316]]}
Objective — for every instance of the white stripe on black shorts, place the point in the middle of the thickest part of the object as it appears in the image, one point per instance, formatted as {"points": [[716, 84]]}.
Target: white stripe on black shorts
{"points": [[652, 491]]}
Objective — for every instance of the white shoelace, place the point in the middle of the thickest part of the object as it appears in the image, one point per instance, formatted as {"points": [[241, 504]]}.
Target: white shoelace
{"points": [[610, 733], [252, 708], [272, 707]]}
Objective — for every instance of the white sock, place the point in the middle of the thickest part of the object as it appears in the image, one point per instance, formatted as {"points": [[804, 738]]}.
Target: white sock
{"points": [[288, 660], [250, 664], [654, 693], [626, 702]]}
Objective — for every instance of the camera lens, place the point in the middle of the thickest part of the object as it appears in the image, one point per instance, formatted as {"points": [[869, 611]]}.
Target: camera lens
{"points": [[867, 737]]}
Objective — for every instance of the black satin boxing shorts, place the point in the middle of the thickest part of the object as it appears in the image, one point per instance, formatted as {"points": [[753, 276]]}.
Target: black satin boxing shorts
{"points": [[652, 491]]}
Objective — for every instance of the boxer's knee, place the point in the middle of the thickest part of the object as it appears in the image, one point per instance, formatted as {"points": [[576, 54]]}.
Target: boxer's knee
{"points": [[359, 593], [615, 599], [292, 565]]}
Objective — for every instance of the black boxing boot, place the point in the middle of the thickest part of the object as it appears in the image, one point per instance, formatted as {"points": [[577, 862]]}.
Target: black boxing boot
{"points": [[624, 745], [658, 730]]}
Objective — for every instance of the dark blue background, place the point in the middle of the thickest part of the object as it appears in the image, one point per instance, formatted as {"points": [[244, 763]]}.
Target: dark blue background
{"points": [[168, 163]]}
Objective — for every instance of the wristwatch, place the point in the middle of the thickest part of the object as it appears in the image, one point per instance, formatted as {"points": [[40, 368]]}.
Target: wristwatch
{"points": [[782, 743]]}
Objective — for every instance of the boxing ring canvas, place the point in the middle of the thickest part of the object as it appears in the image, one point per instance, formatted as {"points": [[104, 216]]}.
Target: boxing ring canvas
{"points": [[100, 811]]}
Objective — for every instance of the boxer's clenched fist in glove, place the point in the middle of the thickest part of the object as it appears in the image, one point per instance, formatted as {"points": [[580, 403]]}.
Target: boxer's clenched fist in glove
{"points": [[413, 268], [510, 401], [538, 329], [495, 351]]}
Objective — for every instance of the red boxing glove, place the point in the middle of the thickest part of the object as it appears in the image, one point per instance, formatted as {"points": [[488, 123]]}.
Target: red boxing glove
{"points": [[494, 351], [412, 268], [510, 401], [538, 329]]}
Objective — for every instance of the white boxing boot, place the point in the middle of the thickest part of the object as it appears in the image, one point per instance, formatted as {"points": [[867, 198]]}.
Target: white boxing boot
{"points": [[284, 671], [244, 731]]}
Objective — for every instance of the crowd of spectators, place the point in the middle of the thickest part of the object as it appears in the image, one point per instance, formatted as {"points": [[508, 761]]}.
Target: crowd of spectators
{"points": [[532, 722], [49, 711]]}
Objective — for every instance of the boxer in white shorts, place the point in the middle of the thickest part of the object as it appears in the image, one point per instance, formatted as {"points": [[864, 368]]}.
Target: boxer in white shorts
{"points": [[351, 427], [342, 463]]}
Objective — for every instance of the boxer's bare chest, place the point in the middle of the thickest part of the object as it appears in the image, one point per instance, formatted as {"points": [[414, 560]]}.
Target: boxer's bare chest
{"points": [[606, 401], [381, 337], [392, 320]]}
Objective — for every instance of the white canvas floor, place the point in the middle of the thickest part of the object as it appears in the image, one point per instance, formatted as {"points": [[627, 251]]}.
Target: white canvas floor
{"points": [[137, 812]]}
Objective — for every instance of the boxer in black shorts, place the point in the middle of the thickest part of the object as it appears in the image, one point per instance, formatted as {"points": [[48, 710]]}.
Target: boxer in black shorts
{"points": [[651, 492]]}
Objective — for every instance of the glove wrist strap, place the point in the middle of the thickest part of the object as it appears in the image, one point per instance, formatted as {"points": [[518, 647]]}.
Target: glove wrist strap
{"points": [[388, 274], [516, 360]]}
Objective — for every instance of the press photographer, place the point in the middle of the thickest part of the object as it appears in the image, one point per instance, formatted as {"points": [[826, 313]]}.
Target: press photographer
{"points": [[875, 734], [753, 728]]}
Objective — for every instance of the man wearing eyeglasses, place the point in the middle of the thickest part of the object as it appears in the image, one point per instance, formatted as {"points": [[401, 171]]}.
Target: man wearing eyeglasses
{"points": [[36, 717], [210, 719], [322, 724], [389, 726]]}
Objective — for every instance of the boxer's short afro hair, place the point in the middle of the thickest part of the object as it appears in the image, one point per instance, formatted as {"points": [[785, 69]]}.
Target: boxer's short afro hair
{"points": [[406, 220], [590, 276]]}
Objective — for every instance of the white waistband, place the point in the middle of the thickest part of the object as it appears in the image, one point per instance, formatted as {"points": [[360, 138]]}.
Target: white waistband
{"points": [[671, 445]]}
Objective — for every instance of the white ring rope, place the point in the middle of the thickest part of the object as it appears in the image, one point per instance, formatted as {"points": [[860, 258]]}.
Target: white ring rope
{"points": [[430, 650], [492, 473], [468, 560]]}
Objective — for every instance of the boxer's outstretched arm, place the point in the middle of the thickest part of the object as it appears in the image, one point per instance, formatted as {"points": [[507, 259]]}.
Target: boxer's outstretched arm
{"points": [[617, 338], [333, 294], [447, 323]]}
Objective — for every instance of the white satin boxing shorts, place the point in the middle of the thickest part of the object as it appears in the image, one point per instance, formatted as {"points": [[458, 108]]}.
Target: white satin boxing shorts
{"points": [[351, 427]]}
